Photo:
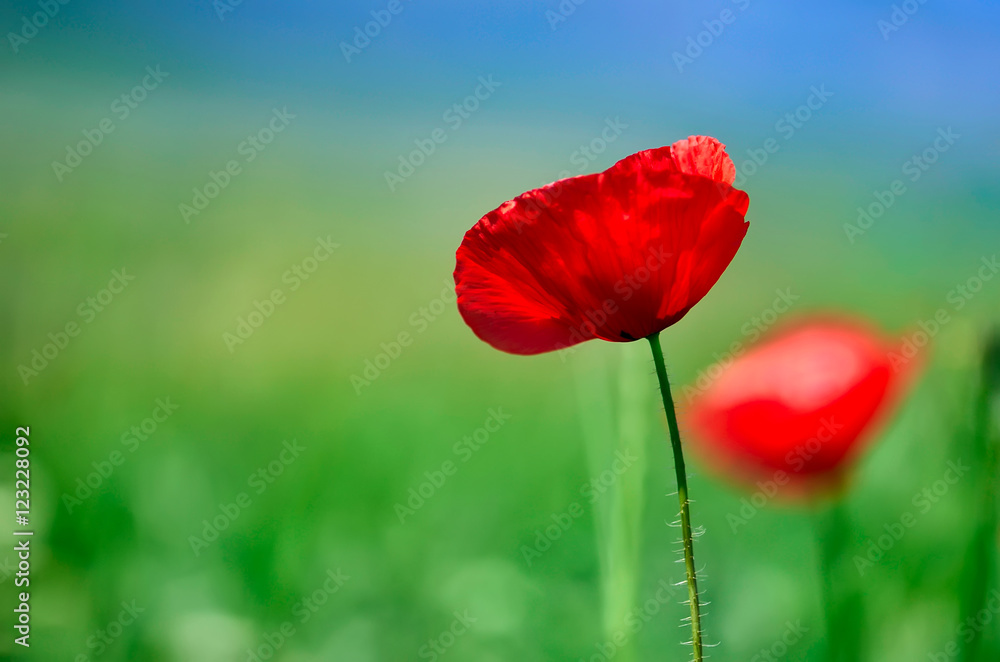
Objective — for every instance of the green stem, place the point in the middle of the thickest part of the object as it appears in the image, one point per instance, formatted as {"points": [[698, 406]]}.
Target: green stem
{"points": [[682, 494], [979, 576], [843, 600]]}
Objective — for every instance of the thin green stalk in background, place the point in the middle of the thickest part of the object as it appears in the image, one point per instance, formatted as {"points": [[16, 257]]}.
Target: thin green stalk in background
{"points": [[682, 495], [618, 512], [843, 598], [979, 576]]}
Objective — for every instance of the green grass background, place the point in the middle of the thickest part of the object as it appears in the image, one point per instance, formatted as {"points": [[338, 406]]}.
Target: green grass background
{"points": [[335, 506]]}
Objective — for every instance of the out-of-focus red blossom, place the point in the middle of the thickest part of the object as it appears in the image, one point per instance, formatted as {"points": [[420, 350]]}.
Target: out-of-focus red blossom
{"points": [[618, 255], [798, 409]]}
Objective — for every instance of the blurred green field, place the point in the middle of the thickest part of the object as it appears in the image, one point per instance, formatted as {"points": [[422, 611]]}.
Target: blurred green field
{"points": [[335, 506], [221, 473]]}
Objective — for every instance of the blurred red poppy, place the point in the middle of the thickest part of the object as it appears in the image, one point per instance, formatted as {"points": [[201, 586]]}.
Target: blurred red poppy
{"points": [[798, 409], [618, 255]]}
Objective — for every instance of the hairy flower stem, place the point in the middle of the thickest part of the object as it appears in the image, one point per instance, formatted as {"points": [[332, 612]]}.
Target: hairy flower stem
{"points": [[682, 494]]}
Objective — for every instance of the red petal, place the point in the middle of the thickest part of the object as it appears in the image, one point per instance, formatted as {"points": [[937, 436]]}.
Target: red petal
{"points": [[618, 255], [696, 155], [803, 403]]}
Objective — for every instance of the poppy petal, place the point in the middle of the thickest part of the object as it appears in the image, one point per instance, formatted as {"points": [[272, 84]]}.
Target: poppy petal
{"points": [[801, 405], [618, 255], [696, 155]]}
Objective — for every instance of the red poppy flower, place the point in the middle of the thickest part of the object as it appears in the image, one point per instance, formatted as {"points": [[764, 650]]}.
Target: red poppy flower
{"points": [[618, 255], [799, 408]]}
